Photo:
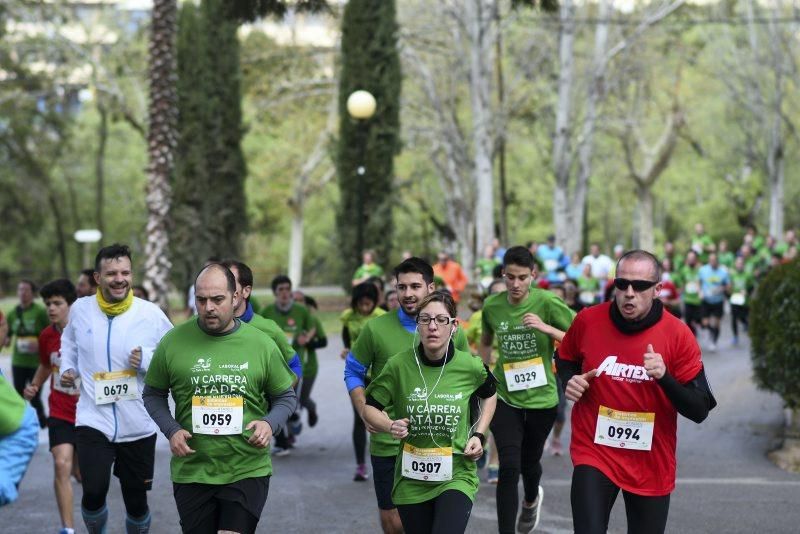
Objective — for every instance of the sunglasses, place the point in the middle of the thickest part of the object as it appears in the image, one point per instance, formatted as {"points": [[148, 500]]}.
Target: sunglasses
{"points": [[638, 285]]}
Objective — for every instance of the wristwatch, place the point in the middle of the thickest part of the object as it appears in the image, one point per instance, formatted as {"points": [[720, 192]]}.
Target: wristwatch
{"points": [[480, 437]]}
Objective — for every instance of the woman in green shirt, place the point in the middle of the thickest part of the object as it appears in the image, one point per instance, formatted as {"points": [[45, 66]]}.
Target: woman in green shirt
{"points": [[429, 388]]}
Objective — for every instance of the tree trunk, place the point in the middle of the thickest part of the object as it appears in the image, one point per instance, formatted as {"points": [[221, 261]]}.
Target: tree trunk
{"points": [[644, 226], [480, 20], [296, 245], [161, 141], [99, 166], [563, 216]]}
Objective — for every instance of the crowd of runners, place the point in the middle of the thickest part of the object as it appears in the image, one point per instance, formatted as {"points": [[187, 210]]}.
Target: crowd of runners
{"points": [[437, 395]]}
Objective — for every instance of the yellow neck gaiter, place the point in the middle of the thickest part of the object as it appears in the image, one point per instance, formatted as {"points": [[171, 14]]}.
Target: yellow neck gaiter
{"points": [[115, 308]]}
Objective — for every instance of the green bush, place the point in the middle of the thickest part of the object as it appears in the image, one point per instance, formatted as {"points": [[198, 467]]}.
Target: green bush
{"points": [[775, 333]]}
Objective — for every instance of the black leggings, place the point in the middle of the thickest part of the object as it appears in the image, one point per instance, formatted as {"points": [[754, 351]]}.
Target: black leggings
{"points": [[359, 437], [446, 514], [305, 394], [133, 465], [520, 436], [738, 314], [22, 377], [593, 496]]}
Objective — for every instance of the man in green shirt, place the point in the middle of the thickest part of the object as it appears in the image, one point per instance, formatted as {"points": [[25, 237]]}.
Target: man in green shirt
{"points": [[26, 321], [526, 321], [742, 284], [310, 363], [690, 292], [702, 243], [222, 374], [296, 322], [380, 339], [367, 270]]}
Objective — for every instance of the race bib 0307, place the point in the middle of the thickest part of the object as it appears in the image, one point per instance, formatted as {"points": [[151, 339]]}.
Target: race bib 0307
{"points": [[432, 465]]}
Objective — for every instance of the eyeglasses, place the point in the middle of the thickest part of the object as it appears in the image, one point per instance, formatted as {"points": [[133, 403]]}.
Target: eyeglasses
{"points": [[441, 320], [638, 285]]}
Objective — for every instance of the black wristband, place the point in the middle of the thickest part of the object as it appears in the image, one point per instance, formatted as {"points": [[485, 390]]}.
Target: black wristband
{"points": [[480, 437]]}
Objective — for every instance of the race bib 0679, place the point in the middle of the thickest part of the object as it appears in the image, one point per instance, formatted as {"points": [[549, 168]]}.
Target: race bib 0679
{"points": [[115, 386]]}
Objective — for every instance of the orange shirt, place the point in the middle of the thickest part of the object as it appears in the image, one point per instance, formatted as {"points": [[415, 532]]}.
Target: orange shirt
{"points": [[453, 276]]}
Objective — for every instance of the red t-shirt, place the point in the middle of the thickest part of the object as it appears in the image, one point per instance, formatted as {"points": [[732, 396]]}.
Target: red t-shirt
{"points": [[595, 343], [62, 400]]}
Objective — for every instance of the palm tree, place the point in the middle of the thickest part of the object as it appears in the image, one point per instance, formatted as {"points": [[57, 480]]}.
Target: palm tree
{"points": [[161, 142]]}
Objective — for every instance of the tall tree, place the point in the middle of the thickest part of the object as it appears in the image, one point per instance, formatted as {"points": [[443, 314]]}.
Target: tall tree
{"points": [[370, 62], [208, 213], [161, 141]]}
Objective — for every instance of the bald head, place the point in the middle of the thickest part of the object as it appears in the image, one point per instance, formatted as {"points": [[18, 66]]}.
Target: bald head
{"points": [[216, 298]]}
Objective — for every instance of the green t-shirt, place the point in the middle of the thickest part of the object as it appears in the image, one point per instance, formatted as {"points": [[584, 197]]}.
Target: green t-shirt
{"points": [[12, 408], [742, 282], [244, 363], [310, 363], [690, 284], [271, 328], [727, 259], [699, 244], [368, 271], [518, 343], [588, 283], [354, 321], [441, 421], [486, 267], [380, 339], [294, 322], [25, 326]]}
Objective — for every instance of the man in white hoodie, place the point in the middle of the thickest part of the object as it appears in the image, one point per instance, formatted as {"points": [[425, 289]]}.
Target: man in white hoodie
{"points": [[108, 343]]}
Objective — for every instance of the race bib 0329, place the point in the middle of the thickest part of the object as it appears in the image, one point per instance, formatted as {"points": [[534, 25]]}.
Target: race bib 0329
{"points": [[526, 374]]}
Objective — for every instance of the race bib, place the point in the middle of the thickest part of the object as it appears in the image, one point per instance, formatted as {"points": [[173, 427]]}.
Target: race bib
{"points": [[115, 386], [692, 288], [526, 374], [432, 465], [587, 297], [624, 430], [550, 265], [738, 299], [27, 345], [218, 416]]}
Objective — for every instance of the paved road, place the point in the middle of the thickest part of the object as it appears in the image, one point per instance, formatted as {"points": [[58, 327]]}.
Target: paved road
{"points": [[725, 482]]}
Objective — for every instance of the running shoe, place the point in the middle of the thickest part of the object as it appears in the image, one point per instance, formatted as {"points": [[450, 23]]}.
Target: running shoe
{"points": [[312, 418], [361, 473], [66, 530], [295, 425], [712, 347], [735, 341], [493, 474], [280, 451], [529, 517], [555, 447]]}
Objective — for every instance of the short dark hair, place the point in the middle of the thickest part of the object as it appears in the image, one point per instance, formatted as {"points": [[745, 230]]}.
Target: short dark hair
{"points": [[30, 283], [280, 280], [440, 296], [364, 290], [245, 273], [144, 291], [229, 278], [89, 273], [376, 281], [310, 302], [112, 252], [519, 255], [642, 255], [59, 288], [415, 265]]}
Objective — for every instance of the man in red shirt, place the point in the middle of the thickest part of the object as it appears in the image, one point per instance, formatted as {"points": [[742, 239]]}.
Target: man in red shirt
{"points": [[58, 296], [455, 279], [631, 369]]}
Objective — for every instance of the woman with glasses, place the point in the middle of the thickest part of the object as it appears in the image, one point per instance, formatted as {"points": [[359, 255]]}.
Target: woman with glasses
{"points": [[430, 386]]}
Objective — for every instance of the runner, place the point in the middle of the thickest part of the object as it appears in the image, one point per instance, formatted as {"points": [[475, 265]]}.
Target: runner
{"points": [[222, 372], [714, 282], [367, 269], [431, 386], [363, 307], [58, 296], [296, 322], [451, 273], [702, 243], [630, 369], [86, 286], [311, 364], [689, 278], [109, 342], [381, 338], [526, 322], [553, 259], [26, 322], [741, 287], [19, 435]]}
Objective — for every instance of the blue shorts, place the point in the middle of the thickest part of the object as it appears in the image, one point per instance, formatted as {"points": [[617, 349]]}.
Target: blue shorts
{"points": [[16, 451]]}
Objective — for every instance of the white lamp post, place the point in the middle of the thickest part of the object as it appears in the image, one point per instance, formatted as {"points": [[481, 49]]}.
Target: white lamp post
{"points": [[361, 106], [85, 237]]}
